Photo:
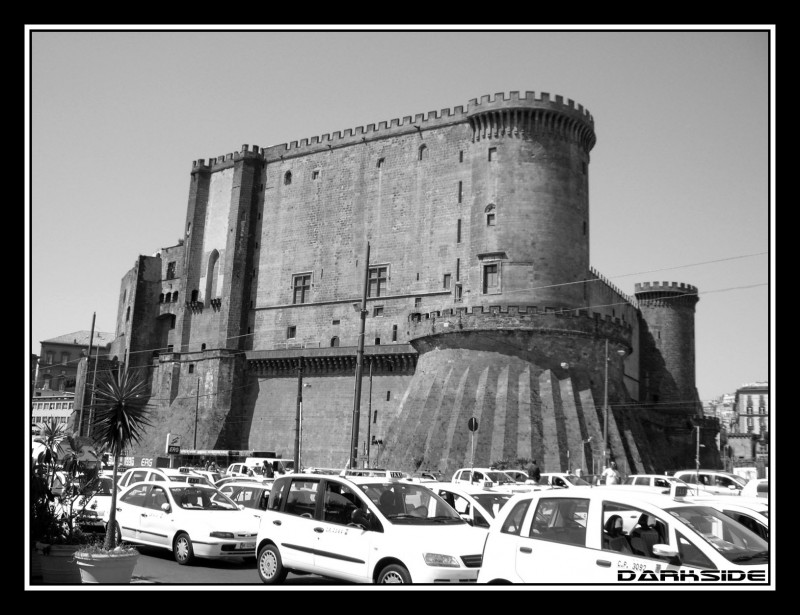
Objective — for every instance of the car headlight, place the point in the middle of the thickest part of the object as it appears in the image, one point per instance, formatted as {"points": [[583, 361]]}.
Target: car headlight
{"points": [[444, 561], [228, 535]]}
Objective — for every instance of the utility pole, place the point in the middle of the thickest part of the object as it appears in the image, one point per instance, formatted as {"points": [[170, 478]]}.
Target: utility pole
{"points": [[359, 368], [88, 358], [369, 411], [196, 410], [298, 415]]}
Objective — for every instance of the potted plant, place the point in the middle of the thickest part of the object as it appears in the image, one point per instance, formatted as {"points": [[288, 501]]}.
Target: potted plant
{"points": [[120, 416], [57, 481]]}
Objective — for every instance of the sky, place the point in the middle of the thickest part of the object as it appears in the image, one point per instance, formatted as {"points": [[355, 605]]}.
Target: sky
{"points": [[681, 184]]}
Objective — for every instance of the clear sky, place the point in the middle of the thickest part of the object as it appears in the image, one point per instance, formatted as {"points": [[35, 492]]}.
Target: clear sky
{"points": [[681, 179]]}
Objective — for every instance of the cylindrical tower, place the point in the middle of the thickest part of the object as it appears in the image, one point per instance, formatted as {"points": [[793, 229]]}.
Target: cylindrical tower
{"points": [[529, 216], [667, 345]]}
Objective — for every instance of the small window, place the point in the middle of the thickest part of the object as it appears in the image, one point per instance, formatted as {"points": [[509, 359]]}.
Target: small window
{"points": [[491, 279], [459, 191], [446, 281], [171, 270], [287, 178], [202, 347], [377, 310], [461, 156], [334, 342], [377, 341], [191, 368], [161, 298], [394, 333], [423, 149], [302, 288], [584, 227], [492, 154], [291, 332], [458, 293], [378, 277], [458, 269], [490, 219], [458, 231], [380, 162], [417, 302], [335, 321], [315, 174], [175, 297], [172, 321]]}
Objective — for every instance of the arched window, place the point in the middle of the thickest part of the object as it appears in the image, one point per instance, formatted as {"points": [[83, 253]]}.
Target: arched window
{"points": [[161, 298], [194, 295], [287, 178], [212, 274], [423, 151], [380, 162], [175, 296], [202, 346], [334, 342]]}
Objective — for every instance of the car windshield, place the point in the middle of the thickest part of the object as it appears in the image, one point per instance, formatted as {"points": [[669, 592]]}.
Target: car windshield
{"points": [[99, 486], [730, 538], [410, 504], [199, 497], [575, 480], [492, 502], [501, 478]]}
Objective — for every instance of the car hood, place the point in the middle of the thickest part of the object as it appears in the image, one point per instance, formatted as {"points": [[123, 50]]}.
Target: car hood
{"points": [[236, 521], [448, 539]]}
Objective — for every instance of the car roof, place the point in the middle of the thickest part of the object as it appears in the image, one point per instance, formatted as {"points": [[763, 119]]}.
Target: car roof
{"points": [[247, 483], [467, 489]]}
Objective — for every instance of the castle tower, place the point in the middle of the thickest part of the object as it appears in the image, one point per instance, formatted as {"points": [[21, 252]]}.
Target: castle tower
{"points": [[667, 345]]}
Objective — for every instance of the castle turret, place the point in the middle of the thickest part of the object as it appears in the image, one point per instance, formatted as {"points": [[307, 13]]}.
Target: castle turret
{"points": [[667, 345]]}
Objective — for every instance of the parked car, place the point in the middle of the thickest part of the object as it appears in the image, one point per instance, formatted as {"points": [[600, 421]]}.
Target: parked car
{"points": [[488, 478], [563, 480], [231, 479], [753, 513], [662, 481], [475, 505], [364, 529], [715, 481], [190, 519], [520, 477], [756, 487], [378, 472], [579, 535], [138, 475], [250, 494], [93, 503]]}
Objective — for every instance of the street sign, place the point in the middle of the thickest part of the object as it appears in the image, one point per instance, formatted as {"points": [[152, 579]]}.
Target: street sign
{"points": [[173, 444], [472, 424]]}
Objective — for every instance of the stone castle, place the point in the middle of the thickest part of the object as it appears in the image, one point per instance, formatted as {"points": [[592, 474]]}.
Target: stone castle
{"points": [[481, 302]]}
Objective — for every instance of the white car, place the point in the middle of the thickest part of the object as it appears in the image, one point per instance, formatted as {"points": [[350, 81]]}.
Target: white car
{"points": [[662, 481], [715, 481], [564, 480], [756, 487], [251, 495], [191, 520], [475, 505], [94, 503], [520, 477], [488, 478], [753, 513], [567, 536], [138, 475], [375, 472], [364, 530]]}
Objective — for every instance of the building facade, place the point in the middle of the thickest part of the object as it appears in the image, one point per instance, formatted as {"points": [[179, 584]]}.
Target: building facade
{"points": [[60, 356], [469, 232]]}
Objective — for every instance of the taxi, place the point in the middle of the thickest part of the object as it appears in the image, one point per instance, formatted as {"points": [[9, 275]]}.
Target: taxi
{"points": [[364, 529], [475, 505], [569, 536]]}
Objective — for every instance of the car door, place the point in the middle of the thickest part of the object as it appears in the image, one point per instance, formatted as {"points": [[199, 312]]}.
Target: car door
{"points": [[551, 547], [293, 510], [155, 524], [129, 509], [343, 549]]}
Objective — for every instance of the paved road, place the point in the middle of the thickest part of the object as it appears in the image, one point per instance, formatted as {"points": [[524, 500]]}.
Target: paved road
{"points": [[158, 566]]}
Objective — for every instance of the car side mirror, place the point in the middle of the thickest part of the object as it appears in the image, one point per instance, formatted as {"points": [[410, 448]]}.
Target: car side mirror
{"points": [[166, 507], [241, 506], [667, 552], [359, 517], [468, 519]]}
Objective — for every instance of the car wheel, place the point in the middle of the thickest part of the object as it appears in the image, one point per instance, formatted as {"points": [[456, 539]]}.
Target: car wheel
{"points": [[270, 565], [182, 548], [394, 573]]}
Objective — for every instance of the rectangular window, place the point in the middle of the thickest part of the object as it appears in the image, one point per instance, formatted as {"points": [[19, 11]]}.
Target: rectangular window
{"points": [[171, 270], [458, 231], [302, 288], [491, 279], [388, 395], [417, 302], [377, 310], [492, 154], [377, 281], [191, 368], [64, 358], [446, 281], [490, 219], [461, 156], [458, 269], [49, 358], [315, 174], [460, 184], [457, 295], [291, 332]]}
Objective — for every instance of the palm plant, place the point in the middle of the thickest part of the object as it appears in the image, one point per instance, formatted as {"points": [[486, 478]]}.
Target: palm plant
{"points": [[120, 417]]}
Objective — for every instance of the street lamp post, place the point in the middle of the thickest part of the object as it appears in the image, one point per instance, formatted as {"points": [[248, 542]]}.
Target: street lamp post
{"points": [[606, 452], [359, 368]]}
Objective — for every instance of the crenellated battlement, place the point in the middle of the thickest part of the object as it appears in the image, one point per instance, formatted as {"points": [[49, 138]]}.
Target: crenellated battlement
{"points": [[599, 276], [215, 164], [581, 322], [529, 100], [674, 292]]}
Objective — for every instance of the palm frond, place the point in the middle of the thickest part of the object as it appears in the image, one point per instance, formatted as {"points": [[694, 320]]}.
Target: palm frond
{"points": [[120, 416]]}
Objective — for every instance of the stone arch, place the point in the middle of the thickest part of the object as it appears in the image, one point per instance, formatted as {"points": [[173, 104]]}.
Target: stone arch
{"points": [[212, 275]]}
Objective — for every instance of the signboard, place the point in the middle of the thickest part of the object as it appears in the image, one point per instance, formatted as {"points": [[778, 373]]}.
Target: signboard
{"points": [[173, 444], [473, 424]]}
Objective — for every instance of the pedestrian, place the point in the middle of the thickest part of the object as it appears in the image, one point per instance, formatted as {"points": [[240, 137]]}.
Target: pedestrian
{"points": [[611, 474], [533, 472], [268, 471]]}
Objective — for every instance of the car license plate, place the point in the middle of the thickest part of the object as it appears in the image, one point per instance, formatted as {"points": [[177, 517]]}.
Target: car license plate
{"points": [[246, 545]]}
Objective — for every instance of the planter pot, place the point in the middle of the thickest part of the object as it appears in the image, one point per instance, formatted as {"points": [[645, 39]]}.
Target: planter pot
{"points": [[106, 568], [36, 564], [58, 565]]}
